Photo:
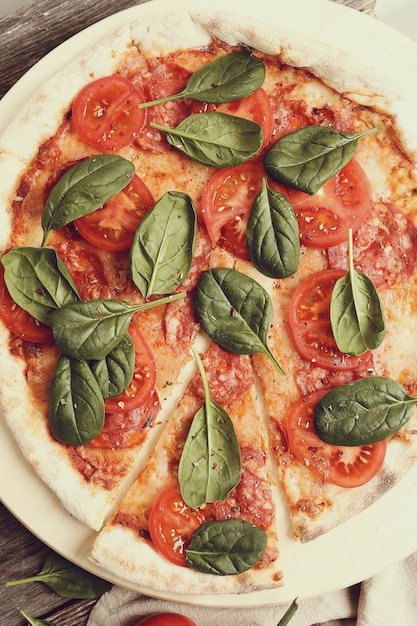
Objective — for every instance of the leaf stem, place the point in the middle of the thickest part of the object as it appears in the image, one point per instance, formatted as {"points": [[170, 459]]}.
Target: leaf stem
{"points": [[153, 303], [350, 251], [22, 581], [203, 374], [274, 361], [289, 614], [152, 103]]}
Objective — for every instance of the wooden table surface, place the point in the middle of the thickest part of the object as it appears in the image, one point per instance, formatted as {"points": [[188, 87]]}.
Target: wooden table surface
{"points": [[26, 36]]}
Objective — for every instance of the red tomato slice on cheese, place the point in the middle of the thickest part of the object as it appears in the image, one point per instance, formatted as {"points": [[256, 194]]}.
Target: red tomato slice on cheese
{"points": [[106, 115], [144, 377], [255, 107], [113, 226], [19, 321], [227, 203], [346, 466], [172, 524], [309, 319], [342, 203]]}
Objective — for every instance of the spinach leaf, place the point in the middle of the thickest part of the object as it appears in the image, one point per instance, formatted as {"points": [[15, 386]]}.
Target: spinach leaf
{"points": [[91, 329], [66, 579], [36, 622], [306, 158], [114, 373], [289, 613], [210, 463], [356, 311], [227, 78], [83, 188], [235, 311], [76, 404], [215, 139], [226, 547], [363, 412], [163, 246], [272, 234], [38, 281]]}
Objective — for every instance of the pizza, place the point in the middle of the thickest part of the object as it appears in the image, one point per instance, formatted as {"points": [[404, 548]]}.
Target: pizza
{"points": [[209, 259]]}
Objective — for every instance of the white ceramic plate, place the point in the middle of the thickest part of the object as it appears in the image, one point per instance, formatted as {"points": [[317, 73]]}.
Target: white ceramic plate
{"points": [[358, 548]]}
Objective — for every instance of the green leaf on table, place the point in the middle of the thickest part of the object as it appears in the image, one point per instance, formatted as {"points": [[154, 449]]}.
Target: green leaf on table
{"points": [[66, 579]]}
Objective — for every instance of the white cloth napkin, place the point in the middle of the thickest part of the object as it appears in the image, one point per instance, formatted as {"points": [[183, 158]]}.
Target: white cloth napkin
{"points": [[388, 599]]}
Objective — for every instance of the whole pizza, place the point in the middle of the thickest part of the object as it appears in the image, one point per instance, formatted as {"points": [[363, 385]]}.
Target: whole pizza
{"points": [[208, 295]]}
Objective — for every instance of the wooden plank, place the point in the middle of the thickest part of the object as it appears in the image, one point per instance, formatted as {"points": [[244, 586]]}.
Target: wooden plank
{"points": [[23, 555]]}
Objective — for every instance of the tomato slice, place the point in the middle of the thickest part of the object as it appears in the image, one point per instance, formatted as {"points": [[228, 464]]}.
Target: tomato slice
{"points": [[19, 321], [113, 226], [227, 201], [105, 113], [255, 107], [309, 319], [345, 466], [144, 377], [342, 203], [172, 523]]}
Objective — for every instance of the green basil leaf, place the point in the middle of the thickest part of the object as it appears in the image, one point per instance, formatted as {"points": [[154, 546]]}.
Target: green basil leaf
{"points": [[35, 622], [363, 412], [356, 312], [235, 311], [76, 404], [230, 77], [306, 158], [38, 281], [83, 188], [210, 463], [91, 329], [163, 246], [272, 234], [289, 613], [66, 579], [226, 547], [215, 139], [114, 373]]}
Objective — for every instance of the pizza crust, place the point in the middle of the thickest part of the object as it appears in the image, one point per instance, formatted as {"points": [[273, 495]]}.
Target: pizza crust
{"points": [[130, 557], [85, 501]]}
